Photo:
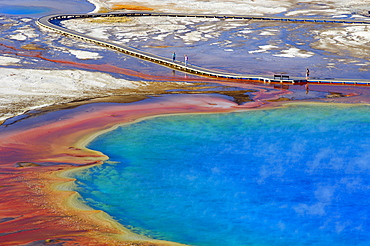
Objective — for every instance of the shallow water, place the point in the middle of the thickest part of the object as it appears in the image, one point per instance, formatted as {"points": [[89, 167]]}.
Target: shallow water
{"points": [[37, 8], [292, 176], [23, 10], [243, 47], [231, 46]]}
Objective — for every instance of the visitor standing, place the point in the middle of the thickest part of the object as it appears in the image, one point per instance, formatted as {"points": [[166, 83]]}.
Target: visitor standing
{"points": [[173, 57], [186, 60], [307, 73]]}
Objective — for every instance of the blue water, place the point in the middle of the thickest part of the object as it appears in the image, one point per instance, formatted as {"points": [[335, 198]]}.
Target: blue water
{"points": [[23, 10], [291, 176], [37, 8]]}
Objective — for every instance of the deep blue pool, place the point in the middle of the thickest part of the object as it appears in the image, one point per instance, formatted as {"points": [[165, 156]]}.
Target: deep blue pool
{"points": [[298, 175]]}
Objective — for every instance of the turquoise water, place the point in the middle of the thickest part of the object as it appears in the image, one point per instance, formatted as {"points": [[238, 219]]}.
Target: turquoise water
{"points": [[292, 176]]}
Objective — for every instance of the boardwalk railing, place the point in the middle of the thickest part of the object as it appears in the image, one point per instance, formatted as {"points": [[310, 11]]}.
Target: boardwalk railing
{"points": [[49, 23]]}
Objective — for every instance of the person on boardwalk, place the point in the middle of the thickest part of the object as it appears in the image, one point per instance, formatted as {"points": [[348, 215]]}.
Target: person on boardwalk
{"points": [[173, 57], [307, 73], [186, 60]]}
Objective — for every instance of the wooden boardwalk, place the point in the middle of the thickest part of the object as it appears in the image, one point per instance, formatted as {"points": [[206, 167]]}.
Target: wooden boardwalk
{"points": [[49, 23]]}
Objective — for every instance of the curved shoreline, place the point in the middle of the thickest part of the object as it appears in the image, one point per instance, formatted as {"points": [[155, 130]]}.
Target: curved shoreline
{"points": [[34, 173], [76, 201], [204, 105]]}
